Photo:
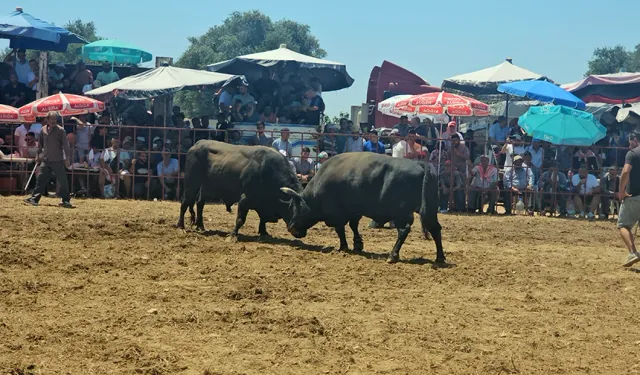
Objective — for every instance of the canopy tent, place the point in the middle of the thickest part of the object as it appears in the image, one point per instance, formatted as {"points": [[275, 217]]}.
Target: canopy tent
{"points": [[115, 51], [613, 88], [543, 91], [486, 81], [332, 75], [164, 80], [25, 31]]}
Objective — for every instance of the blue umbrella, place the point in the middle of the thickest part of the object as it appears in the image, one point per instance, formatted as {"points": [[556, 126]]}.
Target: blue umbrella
{"points": [[28, 32], [561, 125], [543, 91]]}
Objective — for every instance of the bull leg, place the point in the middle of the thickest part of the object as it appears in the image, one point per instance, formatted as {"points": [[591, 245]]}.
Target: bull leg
{"points": [[241, 218], [403, 232], [188, 199], [262, 229], [436, 232], [343, 238], [193, 215], [200, 215], [358, 244]]}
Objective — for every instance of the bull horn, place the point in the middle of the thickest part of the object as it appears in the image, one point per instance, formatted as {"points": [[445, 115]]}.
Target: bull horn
{"points": [[289, 191]]}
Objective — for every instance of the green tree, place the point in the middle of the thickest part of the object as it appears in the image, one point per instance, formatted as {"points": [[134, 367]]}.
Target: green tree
{"points": [[633, 63], [608, 60], [239, 34], [87, 31], [336, 119]]}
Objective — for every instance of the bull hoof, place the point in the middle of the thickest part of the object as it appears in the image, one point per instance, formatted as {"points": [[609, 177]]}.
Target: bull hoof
{"points": [[344, 248], [264, 237], [200, 228], [393, 259], [358, 247], [231, 238], [180, 226]]}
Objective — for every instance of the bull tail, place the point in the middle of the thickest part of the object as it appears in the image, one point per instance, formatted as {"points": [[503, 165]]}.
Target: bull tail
{"points": [[429, 210]]}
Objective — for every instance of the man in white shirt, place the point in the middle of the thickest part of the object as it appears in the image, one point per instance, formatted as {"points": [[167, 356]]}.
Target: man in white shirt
{"points": [[399, 148], [586, 191], [537, 156], [21, 132], [168, 171], [511, 148]]}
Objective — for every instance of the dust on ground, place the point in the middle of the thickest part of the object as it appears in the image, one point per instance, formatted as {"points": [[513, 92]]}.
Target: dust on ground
{"points": [[112, 288]]}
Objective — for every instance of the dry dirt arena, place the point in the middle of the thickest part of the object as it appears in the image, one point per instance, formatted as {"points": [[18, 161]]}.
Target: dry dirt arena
{"points": [[112, 288]]}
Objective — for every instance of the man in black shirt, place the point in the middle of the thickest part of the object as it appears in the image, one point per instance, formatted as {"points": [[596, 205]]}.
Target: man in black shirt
{"points": [[629, 195], [15, 93]]}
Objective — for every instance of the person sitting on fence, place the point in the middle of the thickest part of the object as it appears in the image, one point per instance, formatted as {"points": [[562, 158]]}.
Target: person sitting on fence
{"points": [[586, 192], [304, 166], [609, 186], [484, 183], [554, 186], [260, 138], [373, 143], [451, 180], [517, 180]]}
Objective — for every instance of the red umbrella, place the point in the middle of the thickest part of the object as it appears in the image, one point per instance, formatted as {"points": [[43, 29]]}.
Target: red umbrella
{"points": [[63, 104], [9, 114], [437, 103]]}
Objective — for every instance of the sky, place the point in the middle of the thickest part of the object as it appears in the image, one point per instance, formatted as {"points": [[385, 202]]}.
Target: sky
{"points": [[434, 39]]}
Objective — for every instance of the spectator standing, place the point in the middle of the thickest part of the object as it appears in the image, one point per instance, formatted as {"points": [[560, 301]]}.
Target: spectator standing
{"points": [[222, 128], [629, 195], [459, 153], [81, 76], [432, 135], [355, 142], [403, 126], [91, 86], [537, 156], [32, 85], [282, 143], [373, 143], [485, 181], [83, 137], [244, 96], [315, 108], [451, 130], [20, 134], [587, 192], [140, 174], [554, 186], [517, 180], [168, 172], [52, 148], [419, 128], [609, 186], [260, 139], [341, 137], [21, 66], [107, 75], [512, 147], [398, 145], [225, 100], [499, 131]]}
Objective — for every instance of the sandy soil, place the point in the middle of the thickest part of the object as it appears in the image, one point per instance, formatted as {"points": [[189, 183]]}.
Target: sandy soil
{"points": [[111, 288]]}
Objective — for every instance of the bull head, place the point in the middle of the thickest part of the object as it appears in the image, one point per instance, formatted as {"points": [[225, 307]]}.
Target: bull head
{"points": [[298, 213]]}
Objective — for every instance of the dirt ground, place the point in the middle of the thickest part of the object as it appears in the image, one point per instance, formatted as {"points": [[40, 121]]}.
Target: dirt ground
{"points": [[112, 288]]}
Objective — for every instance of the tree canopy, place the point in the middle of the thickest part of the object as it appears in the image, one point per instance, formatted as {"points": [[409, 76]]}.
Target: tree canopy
{"points": [[239, 34], [607, 60]]}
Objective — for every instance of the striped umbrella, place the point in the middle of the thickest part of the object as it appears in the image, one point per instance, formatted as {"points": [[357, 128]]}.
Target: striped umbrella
{"points": [[63, 104], [9, 114]]}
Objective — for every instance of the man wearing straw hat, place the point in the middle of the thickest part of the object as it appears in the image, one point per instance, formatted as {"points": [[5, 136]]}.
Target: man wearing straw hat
{"points": [[629, 195], [54, 154]]}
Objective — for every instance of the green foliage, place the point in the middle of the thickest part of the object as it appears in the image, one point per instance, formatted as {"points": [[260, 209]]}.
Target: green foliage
{"points": [[607, 60], [239, 34], [336, 119], [87, 31]]}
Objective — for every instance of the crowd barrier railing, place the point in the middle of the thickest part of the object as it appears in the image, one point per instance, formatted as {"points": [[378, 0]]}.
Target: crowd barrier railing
{"points": [[153, 141]]}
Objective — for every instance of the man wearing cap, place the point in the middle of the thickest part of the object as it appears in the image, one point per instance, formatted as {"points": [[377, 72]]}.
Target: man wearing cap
{"points": [[52, 149], [282, 143], [322, 157], [107, 75], [629, 195], [403, 126], [355, 142], [373, 143], [485, 181], [517, 180], [244, 96], [56, 76], [451, 130]]}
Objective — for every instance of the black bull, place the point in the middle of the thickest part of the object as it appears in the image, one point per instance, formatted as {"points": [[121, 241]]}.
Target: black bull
{"points": [[352, 185], [248, 175]]}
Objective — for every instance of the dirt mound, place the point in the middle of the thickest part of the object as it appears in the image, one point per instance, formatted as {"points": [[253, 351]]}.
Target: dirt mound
{"points": [[112, 288]]}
